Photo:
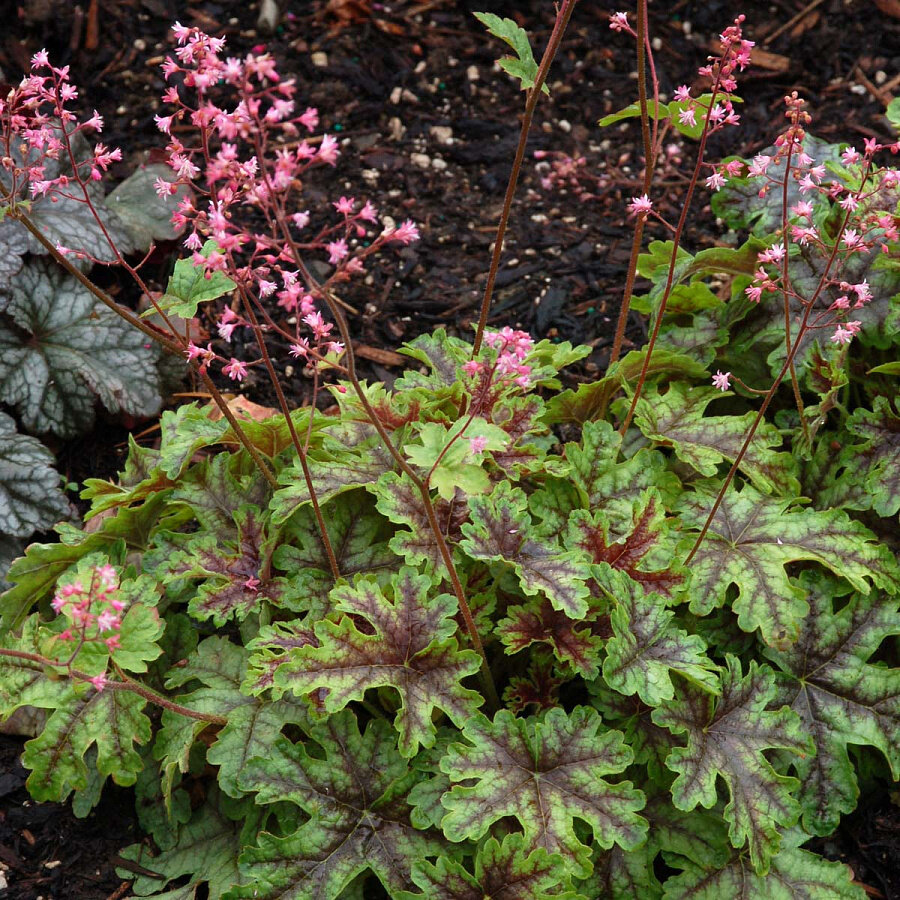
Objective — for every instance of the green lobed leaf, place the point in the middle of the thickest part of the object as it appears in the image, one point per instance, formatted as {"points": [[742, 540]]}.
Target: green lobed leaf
{"points": [[354, 786], [78, 352], [502, 871], [840, 697], [189, 286], [546, 772], [726, 737], [876, 462], [524, 66], [409, 644], [750, 541], [646, 646], [499, 530], [795, 874], [677, 419]]}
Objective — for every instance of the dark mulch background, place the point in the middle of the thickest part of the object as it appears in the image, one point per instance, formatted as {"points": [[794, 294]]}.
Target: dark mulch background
{"points": [[391, 83]]}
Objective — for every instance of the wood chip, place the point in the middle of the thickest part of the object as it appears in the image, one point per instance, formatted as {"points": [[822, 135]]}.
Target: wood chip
{"points": [[763, 59], [376, 354]]}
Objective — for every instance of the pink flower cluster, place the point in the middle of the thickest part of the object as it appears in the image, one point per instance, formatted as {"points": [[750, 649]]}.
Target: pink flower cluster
{"points": [[94, 611], [247, 167], [37, 130], [512, 347], [867, 223]]}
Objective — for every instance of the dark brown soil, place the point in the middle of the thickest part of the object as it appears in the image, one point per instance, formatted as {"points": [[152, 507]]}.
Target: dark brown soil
{"points": [[394, 78]]}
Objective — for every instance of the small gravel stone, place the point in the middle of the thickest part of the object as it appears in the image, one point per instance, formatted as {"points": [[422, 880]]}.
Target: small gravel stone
{"points": [[422, 160], [472, 73], [443, 134], [319, 59], [438, 164]]}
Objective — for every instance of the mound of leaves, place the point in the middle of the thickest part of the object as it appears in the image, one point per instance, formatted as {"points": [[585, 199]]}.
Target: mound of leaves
{"points": [[662, 730]]}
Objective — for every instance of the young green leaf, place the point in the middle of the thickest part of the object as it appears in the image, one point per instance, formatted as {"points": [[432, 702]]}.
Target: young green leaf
{"points": [[499, 530], [408, 644], [726, 737], [523, 66], [77, 352], [189, 287], [840, 697], [546, 772], [876, 462], [354, 789]]}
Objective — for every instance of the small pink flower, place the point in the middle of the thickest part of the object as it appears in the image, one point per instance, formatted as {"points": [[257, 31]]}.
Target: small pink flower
{"points": [[98, 681], [477, 444], [471, 367], [337, 250], [721, 380], [619, 22], [235, 370], [406, 233], [716, 181], [687, 117], [841, 335], [640, 206]]}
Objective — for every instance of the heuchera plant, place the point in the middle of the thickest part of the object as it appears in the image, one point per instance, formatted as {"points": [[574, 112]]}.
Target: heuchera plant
{"points": [[476, 635]]}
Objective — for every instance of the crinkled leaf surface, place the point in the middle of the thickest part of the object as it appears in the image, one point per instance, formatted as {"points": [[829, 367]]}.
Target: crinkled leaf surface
{"points": [[546, 772], [207, 850], [754, 536], [573, 641], [354, 789], [643, 550], [678, 419], [502, 871], [726, 737], [795, 874], [876, 462], [500, 529], [30, 495], [14, 241], [220, 667], [646, 646], [78, 352], [409, 644], [841, 698]]}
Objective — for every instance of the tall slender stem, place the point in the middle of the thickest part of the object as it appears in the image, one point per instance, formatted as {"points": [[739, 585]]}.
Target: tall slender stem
{"points": [[559, 27]]}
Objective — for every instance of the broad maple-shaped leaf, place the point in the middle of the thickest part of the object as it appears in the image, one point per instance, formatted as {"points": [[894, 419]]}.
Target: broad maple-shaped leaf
{"points": [[546, 772], [183, 432], [271, 647], [359, 539], [795, 874], [646, 646], [523, 65], [612, 486], [500, 529], [78, 352], [354, 787], [502, 871], [840, 697], [750, 541], [232, 586], [409, 644], [30, 495], [207, 850], [643, 550], [876, 462], [359, 462], [220, 667], [678, 419], [14, 240], [574, 642], [726, 737]]}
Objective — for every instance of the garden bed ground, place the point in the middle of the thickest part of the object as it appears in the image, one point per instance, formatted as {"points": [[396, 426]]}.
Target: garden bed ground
{"points": [[429, 128]]}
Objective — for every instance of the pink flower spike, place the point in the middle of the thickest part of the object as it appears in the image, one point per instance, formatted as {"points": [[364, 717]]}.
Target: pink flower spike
{"points": [[471, 367], [721, 380], [235, 370]]}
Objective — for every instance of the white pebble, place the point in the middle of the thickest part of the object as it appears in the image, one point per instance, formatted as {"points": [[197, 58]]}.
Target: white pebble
{"points": [[443, 134], [319, 59], [565, 125], [439, 164], [422, 160], [472, 73]]}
